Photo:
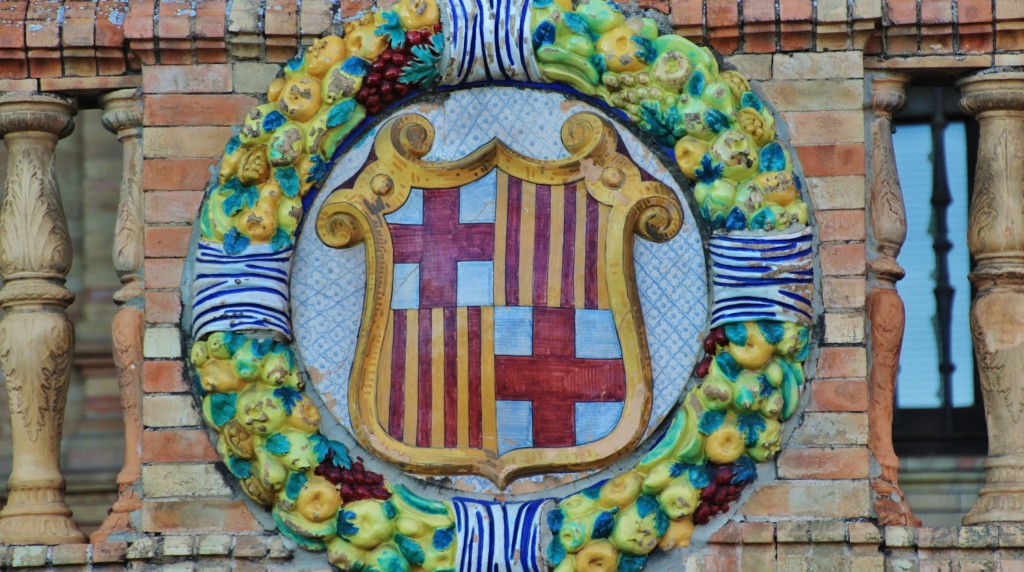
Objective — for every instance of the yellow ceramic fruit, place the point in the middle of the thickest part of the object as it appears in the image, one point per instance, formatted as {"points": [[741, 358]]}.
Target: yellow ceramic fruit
{"points": [[230, 164], [253, 168], [737, 152], [286, 145], [680, 498], [678, 534], [275, 89], [725, 445], [756, 124], [362, 40], [254, 488], [301, 98], [620, 50], [217, 376], [339, 85], [417, 14], [305, 417], [689, 151], [755, 353], [779, 187], [597, 556], [318, 500], [289, 211], [323, 54], [369, 526], [238, 440], [738, 84], [258, 223], [217, 345], [621, 490], [253, 130], [199, 354]]}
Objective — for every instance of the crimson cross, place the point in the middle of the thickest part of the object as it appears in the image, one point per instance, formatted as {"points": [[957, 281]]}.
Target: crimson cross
{"points": [[439, 244], [554, 379]]}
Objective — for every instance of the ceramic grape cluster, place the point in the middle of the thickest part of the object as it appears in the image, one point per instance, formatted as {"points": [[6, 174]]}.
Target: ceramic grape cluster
{"points": [[723, 139]]}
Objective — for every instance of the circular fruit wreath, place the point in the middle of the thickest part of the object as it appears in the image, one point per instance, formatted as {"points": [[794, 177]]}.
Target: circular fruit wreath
{"points": [[724, 140]]}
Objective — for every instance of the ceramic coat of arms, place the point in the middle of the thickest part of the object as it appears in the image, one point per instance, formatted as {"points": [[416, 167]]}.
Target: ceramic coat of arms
{"points": [[516, 285]]}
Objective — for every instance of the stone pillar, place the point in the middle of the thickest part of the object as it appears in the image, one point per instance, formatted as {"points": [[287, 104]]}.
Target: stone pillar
{"points": [[36, 337], [123, 115], [884, 305], [995, 236]]}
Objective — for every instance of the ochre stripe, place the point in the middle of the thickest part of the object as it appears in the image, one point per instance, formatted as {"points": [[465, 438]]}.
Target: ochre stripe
{"points": [[555, 246], [437, 377], [462, 335], [400, 335], [424, 380], [500, 229], [412, 370], [475, 431], [526, 239], [451, 382], [602, 243], [384, 373], [580, 250], [568, 248], [488, 405]]}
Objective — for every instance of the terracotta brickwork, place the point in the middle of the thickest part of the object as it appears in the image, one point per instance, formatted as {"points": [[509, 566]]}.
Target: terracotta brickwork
{"points": [[200, 69]]}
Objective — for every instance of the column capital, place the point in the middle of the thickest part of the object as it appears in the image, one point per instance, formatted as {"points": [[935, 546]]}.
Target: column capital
{"points": [[44, 112], [888, 92], [995, 89], [122, 112]]}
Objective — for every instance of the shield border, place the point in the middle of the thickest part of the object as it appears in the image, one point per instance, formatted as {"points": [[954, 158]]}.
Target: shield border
{"points": [[355, 215]]}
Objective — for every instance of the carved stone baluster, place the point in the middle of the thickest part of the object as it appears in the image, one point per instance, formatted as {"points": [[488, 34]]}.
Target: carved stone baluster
{"points": [[995, 236], [36, 337], [123, 115], [885, 307]]}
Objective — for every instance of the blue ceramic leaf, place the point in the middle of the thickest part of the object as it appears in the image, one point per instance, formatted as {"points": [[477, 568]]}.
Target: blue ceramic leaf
{"points": [[234, 341], [646, 53], [799, 184], [288, 179], [392, 28], [555, 519], [710, 421], [296, 481], [772, 158], [676, 469], [541, 3], [728, 365], [709, 171], [744, 471], [261, 347], [646, 505], [593, 492], [389, 510], [695, 85], [766, 386], [751, 427], [750, 99], [340, 113], [556, 552], [763, 219], [443, 538], [319, 447], [239, 467], [599, 63], [631, 563], [736, 219], [222, 407], [232, 204], [340, 455], [235, 242], [289, 398], [277, 444], [737, 333], [716, 120], [543, 35], [699, 477], [233, 144], [295, 63], [410, 550], [281, 240], [745, 398], [659, 125], [273, 120], [603, 525], [345, 525], [356, 66]]}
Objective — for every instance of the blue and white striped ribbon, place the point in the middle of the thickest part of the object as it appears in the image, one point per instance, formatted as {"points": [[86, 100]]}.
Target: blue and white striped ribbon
{"points": [[490, 40], [241, 292], [762, 277], [498, 537]]}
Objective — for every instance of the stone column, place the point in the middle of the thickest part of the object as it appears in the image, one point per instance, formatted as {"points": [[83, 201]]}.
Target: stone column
{"points": [[995, 236], [36, 337], [884, 305], [122, 115]]}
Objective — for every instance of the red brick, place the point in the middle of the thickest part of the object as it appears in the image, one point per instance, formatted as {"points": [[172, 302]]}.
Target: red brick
{"points": [[163, 307], [937, 12], [901, 12], [282, 18], [839, 395], [163, 377], [210, 78], [724, 40], [841, 362], [12, 24], [721, 13], [821, 127], [163, 272], [167, 241], [197, 109], [176, 174], [79, 67], [1009, 40], [109, 552], [353, 7], [976, 38], [45, 67], [970, 11], [177, 446], [198, 515], [79, 23], [192, 142], [840, 225], [688, 13], [211, 19], [138, 23], [795, 10], [41, 27], [13, 69], [758, 11], [846, 463], [659, 5], [172, 206], [758, 43], [795, 40], [842, 259], [844, 293], [813, 499], [830, 160], [108, 33], [175, 20]]}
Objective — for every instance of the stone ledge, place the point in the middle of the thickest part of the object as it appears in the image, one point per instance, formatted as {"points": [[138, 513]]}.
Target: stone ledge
{"points": [[215, 547]]}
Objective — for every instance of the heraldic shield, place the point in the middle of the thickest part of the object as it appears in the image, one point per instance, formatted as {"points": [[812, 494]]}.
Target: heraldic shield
{"points": [[502, 334]]}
